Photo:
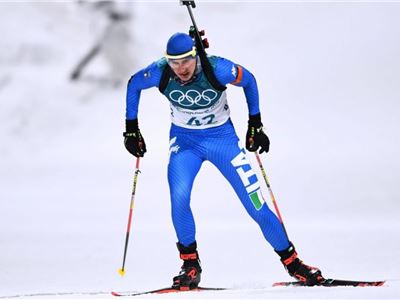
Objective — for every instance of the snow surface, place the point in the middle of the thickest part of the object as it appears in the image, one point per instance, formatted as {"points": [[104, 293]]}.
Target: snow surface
{"points": [[328, 75]]}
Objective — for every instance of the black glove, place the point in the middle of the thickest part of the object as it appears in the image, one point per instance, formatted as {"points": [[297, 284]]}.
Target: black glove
{"points": [[134, 141], [255, 136]]}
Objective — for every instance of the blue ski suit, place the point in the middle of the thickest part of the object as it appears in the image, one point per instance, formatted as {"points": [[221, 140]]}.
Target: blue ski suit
{"points": [[202, 130]]}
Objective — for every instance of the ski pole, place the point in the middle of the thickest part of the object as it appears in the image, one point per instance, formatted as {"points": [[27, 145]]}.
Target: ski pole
{"points": [[137, 171], [271, 193]]}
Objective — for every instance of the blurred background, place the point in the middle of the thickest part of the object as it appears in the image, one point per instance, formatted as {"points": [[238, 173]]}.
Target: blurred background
{"points": [[328, 75]]}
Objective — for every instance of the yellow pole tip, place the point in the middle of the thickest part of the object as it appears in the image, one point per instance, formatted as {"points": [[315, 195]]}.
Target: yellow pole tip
{"points": [[121, 272]]}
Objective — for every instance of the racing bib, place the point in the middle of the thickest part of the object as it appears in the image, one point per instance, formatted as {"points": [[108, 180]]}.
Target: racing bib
{"points": [[197, 105]]}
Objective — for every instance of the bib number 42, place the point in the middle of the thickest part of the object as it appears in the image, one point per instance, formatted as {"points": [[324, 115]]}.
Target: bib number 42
{"points": [[195, 121]]}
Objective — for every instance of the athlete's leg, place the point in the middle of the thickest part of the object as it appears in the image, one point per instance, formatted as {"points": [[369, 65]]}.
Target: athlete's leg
{"points": [[184, 164], [232, 162]]}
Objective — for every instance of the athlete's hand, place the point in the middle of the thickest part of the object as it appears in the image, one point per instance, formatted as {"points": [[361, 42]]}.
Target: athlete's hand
{"points": [[133, 139], [255, 136]]}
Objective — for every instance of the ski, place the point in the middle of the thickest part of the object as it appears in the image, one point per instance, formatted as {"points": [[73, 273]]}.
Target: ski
{"points": [[165, 291], [332, 283], [56, 294]]}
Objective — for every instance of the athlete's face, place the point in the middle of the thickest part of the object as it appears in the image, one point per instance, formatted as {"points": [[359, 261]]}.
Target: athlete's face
{"points": [[183, 68]]}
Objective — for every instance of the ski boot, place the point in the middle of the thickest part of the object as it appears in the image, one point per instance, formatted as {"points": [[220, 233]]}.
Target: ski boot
{"points": [[297, 269], [190, 274]]}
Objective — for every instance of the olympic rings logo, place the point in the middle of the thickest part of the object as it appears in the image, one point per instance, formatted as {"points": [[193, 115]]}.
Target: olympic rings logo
{"points": [[193, 97]]}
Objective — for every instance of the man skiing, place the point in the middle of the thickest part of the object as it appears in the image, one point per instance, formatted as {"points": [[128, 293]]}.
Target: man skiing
{"points": [[202, 130]]}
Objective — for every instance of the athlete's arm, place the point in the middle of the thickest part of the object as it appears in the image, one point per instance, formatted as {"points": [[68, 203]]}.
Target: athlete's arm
{"points": [[227, 72], [144, 79]]}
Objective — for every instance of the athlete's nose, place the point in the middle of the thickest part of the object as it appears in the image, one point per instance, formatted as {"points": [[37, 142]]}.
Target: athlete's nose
{"points": [[182, 69]]}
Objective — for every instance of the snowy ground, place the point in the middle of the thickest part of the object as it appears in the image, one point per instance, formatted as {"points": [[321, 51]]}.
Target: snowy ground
{"points": [[329, 78]]}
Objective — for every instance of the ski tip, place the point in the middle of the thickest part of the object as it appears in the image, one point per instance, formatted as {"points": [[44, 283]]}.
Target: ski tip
{"points": [[121, 272], [376, 283], [277, 284], [115, 294], [330, 283]]}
